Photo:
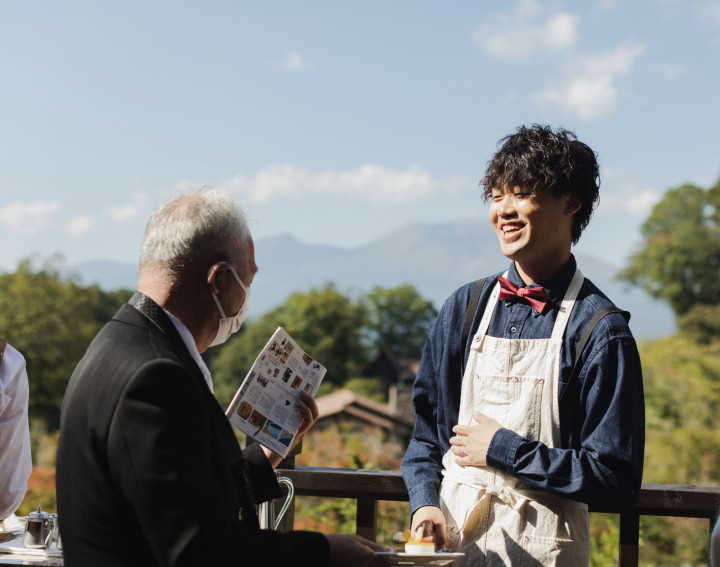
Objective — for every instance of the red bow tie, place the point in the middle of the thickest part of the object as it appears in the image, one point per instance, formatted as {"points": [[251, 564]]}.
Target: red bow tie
{"points": [[535, 296]]}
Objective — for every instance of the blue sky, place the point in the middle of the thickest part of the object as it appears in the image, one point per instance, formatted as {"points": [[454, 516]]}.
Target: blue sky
{"points": [[338, 122]]}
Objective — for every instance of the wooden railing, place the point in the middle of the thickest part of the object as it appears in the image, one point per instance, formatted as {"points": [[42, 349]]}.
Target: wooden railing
{"points": [[370, 486]]}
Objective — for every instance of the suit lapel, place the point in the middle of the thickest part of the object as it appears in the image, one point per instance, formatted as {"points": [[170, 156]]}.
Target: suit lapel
{"points": [[159, 319]]}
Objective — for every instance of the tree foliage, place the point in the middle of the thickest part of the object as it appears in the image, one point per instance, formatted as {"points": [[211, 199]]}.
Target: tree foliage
{"points": [[679, 262], [325, 323], [701, 323], [339, 332], [680, 256], [682, 402], [51, 320], [398, 318]]}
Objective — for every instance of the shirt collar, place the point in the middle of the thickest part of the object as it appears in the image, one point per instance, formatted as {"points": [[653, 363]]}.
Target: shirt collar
{"points": [[189, 341], [556, 285]]}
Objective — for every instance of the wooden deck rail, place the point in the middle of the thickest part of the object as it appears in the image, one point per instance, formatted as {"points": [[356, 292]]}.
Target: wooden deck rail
{"points": [[370, 486]]}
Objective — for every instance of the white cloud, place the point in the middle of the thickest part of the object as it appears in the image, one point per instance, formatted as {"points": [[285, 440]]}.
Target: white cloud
{"points": [[294, 61], [28, 218], [587, 86], [639, 204], [527, 31], [587, 98], [371, 183], [140, 197], [620, 194], [124, 212], [589, 91], [130, 211], [614, 63], [710, 11], [562, 31], [528, 9], [79, 226], [714, 8], [669, 71]]}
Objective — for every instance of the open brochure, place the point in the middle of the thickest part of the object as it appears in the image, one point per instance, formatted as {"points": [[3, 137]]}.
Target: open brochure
{"points": [[264, 405]]}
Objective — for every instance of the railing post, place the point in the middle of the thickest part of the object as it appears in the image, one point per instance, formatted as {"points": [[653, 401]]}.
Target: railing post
{"points": [[629, 539], [366, 515]]}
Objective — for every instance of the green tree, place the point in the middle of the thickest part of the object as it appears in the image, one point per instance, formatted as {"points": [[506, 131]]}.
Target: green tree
{"points": [[682, 408], [51, 320], [398, 318], [325, 323], [680, 256], [701, 323]]}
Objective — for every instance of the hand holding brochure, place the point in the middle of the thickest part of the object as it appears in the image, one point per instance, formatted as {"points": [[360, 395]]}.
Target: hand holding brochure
{"points": [[264, 405]]}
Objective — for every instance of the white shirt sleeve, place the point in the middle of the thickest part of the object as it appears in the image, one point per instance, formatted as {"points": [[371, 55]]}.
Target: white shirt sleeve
{"points": [[15, 461]]}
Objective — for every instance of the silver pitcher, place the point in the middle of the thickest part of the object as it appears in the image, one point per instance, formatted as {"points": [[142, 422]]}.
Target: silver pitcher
{"points": [[266, 510], [39, 529]]}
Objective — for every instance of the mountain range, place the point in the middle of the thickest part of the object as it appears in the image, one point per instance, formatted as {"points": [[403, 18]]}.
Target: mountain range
{"points": [[435, 258]]}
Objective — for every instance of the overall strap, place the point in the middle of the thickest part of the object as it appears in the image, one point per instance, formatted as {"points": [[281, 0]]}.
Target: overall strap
{"points": [[584, 339], [470, 313], [567, 304]]}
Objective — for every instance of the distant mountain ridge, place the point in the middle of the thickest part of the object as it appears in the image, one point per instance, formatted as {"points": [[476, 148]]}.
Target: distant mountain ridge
{"points": [[435, 258]]}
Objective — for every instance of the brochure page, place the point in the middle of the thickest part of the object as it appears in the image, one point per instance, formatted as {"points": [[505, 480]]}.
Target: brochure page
{"points": [[264, 405]]}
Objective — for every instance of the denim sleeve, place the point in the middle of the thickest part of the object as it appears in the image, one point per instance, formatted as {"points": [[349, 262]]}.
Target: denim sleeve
{"points": [[602, 432], [421, 466], [436, 402]]}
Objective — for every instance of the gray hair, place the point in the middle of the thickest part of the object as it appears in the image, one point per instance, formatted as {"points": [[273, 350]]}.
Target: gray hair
{"points": [[192, 229]]}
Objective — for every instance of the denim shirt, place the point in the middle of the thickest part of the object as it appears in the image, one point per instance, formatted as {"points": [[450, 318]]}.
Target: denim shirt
{"points": [[602, 425]]}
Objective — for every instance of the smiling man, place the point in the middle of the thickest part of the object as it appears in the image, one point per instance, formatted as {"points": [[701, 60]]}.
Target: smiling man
{"points": [[540, 412]]}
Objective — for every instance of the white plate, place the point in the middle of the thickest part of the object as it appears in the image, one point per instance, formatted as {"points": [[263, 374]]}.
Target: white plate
{"points": [[411, 559]]}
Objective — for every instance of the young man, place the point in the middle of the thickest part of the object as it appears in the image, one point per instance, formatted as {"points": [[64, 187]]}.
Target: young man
{"points": [[510, 444]]}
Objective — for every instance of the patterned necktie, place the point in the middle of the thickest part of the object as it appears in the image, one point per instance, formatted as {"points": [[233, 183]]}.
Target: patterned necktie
{"points": [[535, 296]]}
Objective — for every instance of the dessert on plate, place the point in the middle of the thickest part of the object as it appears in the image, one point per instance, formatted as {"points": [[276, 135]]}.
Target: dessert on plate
{"points": [[414, 545]]}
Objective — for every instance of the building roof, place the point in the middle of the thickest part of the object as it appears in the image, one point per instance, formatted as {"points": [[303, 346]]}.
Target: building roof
{"points": [[362, 408]]}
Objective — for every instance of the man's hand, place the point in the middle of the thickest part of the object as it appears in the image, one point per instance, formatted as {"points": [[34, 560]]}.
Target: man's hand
{"points": [[471, 442], [434, 521], [307, 406], [350, 550]]}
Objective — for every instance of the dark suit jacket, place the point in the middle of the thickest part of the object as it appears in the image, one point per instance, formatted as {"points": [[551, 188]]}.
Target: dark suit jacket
{"points": [[149, 471]]}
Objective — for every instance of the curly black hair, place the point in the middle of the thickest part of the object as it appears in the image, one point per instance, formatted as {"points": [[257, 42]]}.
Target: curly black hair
{"points": [[540, 159]]}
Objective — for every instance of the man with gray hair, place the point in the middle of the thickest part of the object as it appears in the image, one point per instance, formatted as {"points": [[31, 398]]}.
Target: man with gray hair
{"points": [[149, 472]]}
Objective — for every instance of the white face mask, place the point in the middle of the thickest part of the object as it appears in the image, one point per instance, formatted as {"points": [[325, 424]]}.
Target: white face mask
{"points": [[230, 325]]}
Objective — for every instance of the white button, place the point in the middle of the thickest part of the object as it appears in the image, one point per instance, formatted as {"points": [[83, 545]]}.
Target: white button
{"points": [[513, 329]]}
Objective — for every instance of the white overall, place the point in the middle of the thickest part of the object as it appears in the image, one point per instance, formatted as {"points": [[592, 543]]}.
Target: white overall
{"points": [[492, 516]]}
